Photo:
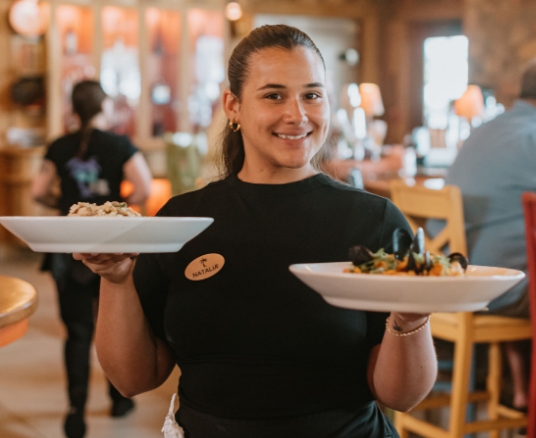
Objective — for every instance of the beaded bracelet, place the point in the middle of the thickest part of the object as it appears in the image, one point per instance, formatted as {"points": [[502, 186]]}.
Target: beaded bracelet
{"points": [[412, 332]]}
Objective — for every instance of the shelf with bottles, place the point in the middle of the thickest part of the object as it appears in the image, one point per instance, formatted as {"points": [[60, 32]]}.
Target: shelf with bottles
{"points": [[160, 61], [206, 38], [162, 68], [120, 75], [75, 26]]}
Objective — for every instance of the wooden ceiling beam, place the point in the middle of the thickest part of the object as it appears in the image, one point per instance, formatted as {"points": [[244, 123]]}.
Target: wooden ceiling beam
{"points": [[325, 8]]}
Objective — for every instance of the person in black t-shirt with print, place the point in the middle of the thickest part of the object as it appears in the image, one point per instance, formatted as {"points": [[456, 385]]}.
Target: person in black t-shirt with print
{"points": [[260, 353], [90, 165]]}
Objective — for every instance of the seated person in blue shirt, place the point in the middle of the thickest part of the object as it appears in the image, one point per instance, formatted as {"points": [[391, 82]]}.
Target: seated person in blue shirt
{"points": [[495, 166]]}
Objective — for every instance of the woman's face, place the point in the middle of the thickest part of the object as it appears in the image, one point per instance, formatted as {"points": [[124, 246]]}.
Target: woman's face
{"points": [[283, 111]]}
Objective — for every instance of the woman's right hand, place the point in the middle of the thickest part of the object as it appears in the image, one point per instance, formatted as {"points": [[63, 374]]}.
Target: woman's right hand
{"points": [[115, 268]]}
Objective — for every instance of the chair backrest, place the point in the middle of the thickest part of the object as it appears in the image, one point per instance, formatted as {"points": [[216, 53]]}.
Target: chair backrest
{"points": [[419, 204], [183, 160], [529, 206]]}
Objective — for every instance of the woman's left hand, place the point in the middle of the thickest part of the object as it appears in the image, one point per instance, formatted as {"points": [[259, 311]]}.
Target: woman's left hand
{"points": [[405, 367]]}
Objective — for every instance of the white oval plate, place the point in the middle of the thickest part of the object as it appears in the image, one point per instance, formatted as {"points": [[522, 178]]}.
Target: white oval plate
{"points": [[385, 293], [105, 234]]}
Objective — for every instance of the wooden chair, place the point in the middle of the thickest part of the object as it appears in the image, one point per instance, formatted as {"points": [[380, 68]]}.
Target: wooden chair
{"points": [[464, 329], [529, 207]]}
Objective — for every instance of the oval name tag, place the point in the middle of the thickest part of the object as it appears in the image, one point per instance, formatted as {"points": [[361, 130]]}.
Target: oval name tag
{"points": [[204, 267]]}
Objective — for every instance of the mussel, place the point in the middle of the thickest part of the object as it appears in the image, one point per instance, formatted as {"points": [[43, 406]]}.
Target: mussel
{"points": [[416, 247], [460, 258], [360, 254], [404, 245], [402, 241]]}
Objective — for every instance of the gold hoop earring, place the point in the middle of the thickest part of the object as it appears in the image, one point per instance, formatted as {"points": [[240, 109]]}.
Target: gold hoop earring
{"points": [[235, 127]]}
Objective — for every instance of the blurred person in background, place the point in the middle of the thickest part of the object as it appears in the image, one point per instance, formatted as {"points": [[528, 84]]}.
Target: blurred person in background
{"points": [[495, 166], [90, 165]]}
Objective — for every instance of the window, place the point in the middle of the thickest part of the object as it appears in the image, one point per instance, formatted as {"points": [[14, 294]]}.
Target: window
{"points": [[445, 77]]}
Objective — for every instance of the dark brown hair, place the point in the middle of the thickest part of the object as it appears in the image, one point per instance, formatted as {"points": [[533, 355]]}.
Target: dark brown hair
{"points": [[278, 36], [86, 98]]}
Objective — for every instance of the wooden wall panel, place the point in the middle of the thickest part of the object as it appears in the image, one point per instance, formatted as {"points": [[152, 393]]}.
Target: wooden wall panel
{"points": [[397, 20], [501, 32], [325, 8], [7, 71], [502, 39]]}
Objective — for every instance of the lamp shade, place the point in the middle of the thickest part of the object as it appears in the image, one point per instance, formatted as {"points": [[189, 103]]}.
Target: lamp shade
{"points": [[28, 17], [470, 104], [371, 100], [233, 11]]}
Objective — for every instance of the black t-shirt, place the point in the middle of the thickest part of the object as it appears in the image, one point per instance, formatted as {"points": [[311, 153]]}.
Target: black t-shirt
{"points": [[253, 341], [97, 179]]}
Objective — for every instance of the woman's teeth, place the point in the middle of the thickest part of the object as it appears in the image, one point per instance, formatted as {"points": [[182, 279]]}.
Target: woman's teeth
{"points": [[291, 137]]}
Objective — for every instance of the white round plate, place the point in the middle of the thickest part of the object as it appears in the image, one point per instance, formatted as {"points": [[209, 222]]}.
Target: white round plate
{"points": [[385, 293], [105, 234]]}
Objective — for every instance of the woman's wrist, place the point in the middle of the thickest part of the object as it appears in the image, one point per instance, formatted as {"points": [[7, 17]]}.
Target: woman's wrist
{"points": [[121, 276], [112, 268], [403, 323], [397, 330], [115, 282]]}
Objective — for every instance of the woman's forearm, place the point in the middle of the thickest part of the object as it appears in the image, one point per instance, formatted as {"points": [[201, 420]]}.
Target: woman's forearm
{"points": [[131, 356], [137, 172], [405, 367]]}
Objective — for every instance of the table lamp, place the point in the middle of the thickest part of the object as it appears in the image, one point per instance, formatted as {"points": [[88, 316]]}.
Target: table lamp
{"points": [[371, 100], [351, 102], [372, 104], [470, 105]]}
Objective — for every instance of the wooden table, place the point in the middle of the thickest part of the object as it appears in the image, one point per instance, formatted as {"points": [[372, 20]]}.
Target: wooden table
{"points": [[378, 175], [18, 300], [380, 184]]}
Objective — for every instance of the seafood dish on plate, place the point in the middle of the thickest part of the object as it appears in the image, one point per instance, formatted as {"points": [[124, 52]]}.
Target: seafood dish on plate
{"points": [[409, 280], [408, 259]]}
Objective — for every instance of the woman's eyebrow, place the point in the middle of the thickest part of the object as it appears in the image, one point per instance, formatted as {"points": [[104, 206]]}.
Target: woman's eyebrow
{"points": [[264, 87], [279, 86]]}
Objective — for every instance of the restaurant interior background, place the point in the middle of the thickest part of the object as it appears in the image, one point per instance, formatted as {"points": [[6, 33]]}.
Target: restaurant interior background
{"points": [[395, 69], [163, 62]]}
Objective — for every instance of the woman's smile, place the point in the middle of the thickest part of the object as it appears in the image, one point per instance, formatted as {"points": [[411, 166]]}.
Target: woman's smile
{"points": [[292, 137]]}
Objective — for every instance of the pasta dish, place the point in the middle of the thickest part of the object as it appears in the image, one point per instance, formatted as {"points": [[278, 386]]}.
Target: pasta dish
{"points": [[113, 208]]}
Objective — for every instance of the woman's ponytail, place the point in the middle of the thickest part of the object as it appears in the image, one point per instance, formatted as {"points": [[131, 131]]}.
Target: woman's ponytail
{"points": [[87, 98]]}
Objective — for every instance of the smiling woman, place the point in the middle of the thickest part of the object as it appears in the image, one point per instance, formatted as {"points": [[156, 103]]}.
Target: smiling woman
{"points": [[277, 95], [261, 354]]}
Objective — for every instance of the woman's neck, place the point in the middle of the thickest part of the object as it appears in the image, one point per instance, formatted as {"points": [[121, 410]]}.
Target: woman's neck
{"points": [[259, 175], [98, 122]]}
